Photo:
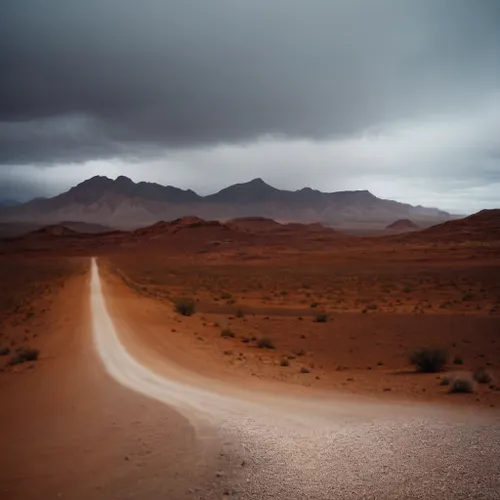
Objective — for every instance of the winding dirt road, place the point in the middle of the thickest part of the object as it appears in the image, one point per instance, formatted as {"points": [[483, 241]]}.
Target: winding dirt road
{"points": [[315, 448]]}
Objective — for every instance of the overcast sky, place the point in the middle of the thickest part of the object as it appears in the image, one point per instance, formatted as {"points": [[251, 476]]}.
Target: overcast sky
{"points": [[401, 97]]}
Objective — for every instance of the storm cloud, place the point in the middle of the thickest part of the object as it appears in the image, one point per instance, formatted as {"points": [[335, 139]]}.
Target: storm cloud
{"points": [[149, 82]]}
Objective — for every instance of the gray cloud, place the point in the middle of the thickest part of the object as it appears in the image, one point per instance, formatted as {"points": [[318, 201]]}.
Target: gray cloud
{"points": [[106, 78], [397, 96]]}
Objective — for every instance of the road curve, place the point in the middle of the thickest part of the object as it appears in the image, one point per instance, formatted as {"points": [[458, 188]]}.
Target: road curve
{"points": [[304, 449]]}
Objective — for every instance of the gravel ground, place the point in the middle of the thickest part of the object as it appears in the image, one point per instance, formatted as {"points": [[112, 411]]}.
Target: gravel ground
{"points": [[308, 449], [389, 458]]}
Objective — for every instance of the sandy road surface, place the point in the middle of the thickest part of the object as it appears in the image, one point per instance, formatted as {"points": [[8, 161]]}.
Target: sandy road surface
{"points": [[317, 449]]}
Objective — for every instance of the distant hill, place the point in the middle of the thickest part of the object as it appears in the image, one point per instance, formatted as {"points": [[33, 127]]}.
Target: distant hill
{"points": [[9, 203], [402, 225], [123, 204], [482, 226]]}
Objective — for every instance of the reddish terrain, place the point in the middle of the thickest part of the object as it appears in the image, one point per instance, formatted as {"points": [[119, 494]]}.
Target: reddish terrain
{"points": [[339, 314]]}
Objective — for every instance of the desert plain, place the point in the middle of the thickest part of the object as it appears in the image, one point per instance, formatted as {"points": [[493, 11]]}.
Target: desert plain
{"points": [[250, 359]]}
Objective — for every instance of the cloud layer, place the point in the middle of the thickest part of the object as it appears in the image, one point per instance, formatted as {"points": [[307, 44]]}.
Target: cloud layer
{"points": [[360, 90]]}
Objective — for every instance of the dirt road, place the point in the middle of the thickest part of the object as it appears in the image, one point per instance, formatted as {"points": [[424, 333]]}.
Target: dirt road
{"points": [[316, 448]]}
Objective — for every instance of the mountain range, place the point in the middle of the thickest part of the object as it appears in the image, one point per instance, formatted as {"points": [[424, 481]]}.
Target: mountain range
{"points": [[124, 204]]}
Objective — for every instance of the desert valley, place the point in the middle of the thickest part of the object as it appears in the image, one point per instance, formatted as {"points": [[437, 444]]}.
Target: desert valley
{"points": [[250, 250], [244, 304]]}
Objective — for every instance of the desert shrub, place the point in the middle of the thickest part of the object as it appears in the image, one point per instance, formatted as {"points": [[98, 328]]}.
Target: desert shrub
{"points": [[265, 343], [24, 355], [483, 376], [321, 317], [285, 362], [429, 359], [461, 384], [226, 296], [305, 370], [227, 333], [314, 304], [240, 313], [4, 351], [447, 379], [458, 360], [184, 306]]}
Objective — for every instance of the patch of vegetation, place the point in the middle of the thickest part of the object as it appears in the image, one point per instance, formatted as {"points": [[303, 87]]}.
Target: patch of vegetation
{"points": [[429, 359], [462, 384], [447, 379], [483, 376], [227, 333], [285, 362], [265, 343], [321, 317], [4, 351], [185, 306], [305, 370], [314, 304], [407, 289], [23, 355], [226, 296], [458, 360], [240, 313]]}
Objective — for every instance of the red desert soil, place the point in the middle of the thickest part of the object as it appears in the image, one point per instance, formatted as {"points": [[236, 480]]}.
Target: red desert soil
{"points": [[382, 297], [65, 426], [377, 314]]}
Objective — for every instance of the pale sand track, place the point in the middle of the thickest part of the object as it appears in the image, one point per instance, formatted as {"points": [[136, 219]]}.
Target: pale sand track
{"points": [[335, 449]]}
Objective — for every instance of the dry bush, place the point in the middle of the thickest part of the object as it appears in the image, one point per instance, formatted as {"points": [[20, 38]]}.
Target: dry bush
{"points": [[227, 333], [23, 355], [483, 376], [429, 359], [462, 384], [185, 306], [321, 317], [265, 343], [4, 351]]}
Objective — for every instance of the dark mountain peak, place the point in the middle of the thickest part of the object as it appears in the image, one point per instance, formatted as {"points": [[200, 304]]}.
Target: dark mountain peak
{"points": [[258, 181], [122, 180], [97, 179], [254, 191]]}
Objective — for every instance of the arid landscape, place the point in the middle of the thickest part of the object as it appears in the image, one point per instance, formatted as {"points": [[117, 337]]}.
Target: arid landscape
{"points": [[249, 305], [249, 250]]}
